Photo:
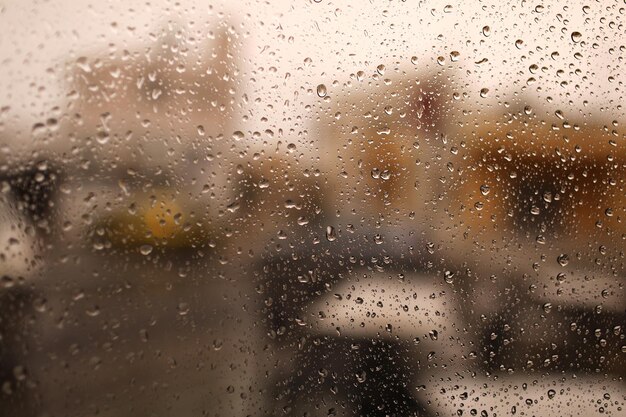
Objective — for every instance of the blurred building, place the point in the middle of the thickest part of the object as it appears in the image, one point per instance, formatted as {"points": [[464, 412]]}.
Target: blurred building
{"points": [[149, 125], [381, 140]]}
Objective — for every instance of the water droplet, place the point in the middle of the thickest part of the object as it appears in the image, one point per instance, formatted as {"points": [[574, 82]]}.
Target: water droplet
{"points": [[183, 309], [486, 31], [576, 36], [145, 249], [547, 197], [331, 233], [361, 376], [143, 335], [233, 207], [484, 92], [321, 90]]}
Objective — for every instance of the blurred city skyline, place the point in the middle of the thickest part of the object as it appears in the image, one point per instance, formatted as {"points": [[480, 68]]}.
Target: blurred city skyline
{"points": [[275, 38]]}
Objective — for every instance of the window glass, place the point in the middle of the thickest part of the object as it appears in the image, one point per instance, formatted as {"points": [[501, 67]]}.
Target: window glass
{"points": [[312, 208]]}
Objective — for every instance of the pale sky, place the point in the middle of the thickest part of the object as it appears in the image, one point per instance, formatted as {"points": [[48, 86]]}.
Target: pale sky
{"points": [[340, 38]]}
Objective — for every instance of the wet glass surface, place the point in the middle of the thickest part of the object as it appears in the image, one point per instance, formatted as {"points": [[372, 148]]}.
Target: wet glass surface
{"points": [[312, 208]]}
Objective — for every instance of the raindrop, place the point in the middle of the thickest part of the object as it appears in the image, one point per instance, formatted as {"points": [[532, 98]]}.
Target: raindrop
{"points": [[321, 90], [331, 233], [547, 197], [361, 376], [183, 309], [143, 335]]}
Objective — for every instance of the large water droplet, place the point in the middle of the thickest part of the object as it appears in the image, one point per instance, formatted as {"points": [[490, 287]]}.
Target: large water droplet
{"points": [[321, 90], [331, 233]]}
